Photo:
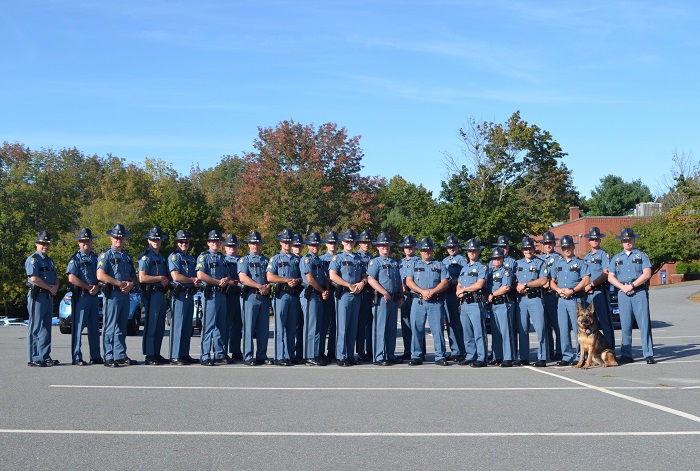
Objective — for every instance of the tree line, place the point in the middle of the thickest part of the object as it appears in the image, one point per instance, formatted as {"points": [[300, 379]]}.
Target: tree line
{"points": [[511, 180]]}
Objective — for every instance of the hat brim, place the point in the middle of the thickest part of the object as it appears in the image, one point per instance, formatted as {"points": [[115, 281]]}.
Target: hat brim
{"points": [[85, 238], [123, 236], [635, 236], [588, 236]]}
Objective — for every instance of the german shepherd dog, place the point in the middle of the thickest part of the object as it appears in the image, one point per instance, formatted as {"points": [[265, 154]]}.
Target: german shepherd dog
{"points": [[591, 340]]}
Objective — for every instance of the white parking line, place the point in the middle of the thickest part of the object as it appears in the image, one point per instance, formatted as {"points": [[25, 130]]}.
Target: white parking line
{"points": [[259, 388], [679, 413], [597, 434]]}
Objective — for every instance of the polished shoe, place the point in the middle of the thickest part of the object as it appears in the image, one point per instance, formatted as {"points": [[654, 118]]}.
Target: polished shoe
{"points": [[189, 360], [540, 363], [296, 361], [563, 363], [466, 362], [177, 361], [209, 362], [479, 364], [267, 361], [522, 362], [41, 364], [249, 363], [405, 356], [624, 360], [220, 361], [126, 361], [353, 361], [51, 362], [458, 358], [343, 362], [396, 361], [284, 362], [162, 359], [442, 362], [230, 361], [152, 360], [415, 362], [495, 362], [111, 364], [365, 357], [650, 361], [507, 364], [382, 363], [80, 363], [237, 357], [96, 361], [312, 362]]}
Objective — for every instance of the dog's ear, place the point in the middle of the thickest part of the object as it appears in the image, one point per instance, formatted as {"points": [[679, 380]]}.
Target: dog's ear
{"points": [[591, 308]]}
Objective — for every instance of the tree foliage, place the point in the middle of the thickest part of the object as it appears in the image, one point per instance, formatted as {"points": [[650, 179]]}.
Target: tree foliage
{"points": [[514, 182], [615, 197]]}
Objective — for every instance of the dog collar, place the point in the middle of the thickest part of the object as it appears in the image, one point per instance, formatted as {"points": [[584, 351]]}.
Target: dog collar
{"points": [[588, 331]]}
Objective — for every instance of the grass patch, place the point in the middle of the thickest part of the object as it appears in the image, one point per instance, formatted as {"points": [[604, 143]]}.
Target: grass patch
{"points": [[695, 297]]}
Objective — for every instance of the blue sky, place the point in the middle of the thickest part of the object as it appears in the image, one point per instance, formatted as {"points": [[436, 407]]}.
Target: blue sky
{"points": [[614, 82]]}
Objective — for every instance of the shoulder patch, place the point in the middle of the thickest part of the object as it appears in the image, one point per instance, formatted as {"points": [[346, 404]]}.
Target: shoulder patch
{"points": [[173, 258], [306, 260], [371, 263], [33, 261], [71, 262], [269, 265], [506, 273], [143, 258], [334, 257]]}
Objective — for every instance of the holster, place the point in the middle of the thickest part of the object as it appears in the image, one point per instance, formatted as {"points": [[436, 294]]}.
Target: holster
{"points": [[106, 288]]}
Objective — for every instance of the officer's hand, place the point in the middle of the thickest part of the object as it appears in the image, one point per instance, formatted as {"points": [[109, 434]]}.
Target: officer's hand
{"points": [[165, 281], [521, 288], [490, 297], [93, 289], [195, 281], [589, 289], [427, 293], [223, 282], [387, 297], [293, 282], [325, 295], [400, 303], [53, 290], [265, 290]]}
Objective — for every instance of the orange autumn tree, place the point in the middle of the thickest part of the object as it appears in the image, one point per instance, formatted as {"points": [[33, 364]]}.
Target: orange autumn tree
{"points": [[304, 178]]}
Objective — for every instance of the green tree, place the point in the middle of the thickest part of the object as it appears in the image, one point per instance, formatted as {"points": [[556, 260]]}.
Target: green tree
{"points": [[406, 208], [515, 182], [615, 197]]}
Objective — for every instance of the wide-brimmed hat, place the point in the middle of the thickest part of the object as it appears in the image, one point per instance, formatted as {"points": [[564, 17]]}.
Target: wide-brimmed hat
{"points": [[43, 238], [182, 235], [348, 236], [285, 236], [254, 237], [408, 241], [452, 241], [527, 243], [85, 234], [156, 234], [548, 238], [214, 235], [502, 241], [365, 236], [118, 232], [627, 233], [594, 233], [474, 244], [425, 244], [331, 238], [497, 252], [297, 239], [313, 239], [566, 241], [383, 239], [231, 240]]}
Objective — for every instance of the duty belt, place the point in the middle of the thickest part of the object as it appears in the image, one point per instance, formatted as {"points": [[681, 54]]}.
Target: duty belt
{"points": [[533, 293], [499, 299], [435, 297]]}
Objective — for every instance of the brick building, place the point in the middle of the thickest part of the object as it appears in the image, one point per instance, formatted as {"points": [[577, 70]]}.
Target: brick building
{"points": [[611, 226]]}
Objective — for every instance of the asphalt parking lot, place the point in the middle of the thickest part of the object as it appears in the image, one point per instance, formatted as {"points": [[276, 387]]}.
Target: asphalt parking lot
{"points": [[636, 416]]}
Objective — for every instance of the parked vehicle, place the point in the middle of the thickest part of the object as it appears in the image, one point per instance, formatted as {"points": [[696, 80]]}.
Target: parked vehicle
{"points": [[615, 309], [133, 325]]}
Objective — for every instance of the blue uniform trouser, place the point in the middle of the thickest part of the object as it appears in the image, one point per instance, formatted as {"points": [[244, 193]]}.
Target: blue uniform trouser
{"points": [[501, 335], [286, 315], [256, 323], [384, 330], [602, 313], [328, 326], [473, 331], [348, 312], [86, 314], [531, 309], [434, 312], [637, 305], [153, 336], [552, 321], [39, 329], [567, 323], [455, 332], [364, 322], [234, 323], [181, 326], [214, 324], [312, 309], [406, 325], [114, 326]]}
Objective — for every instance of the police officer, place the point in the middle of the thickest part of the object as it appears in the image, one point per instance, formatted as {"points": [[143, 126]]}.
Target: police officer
{"points": [[598, 288], [283, 271], [409, 249], [115, 271], [569, 279], [531, 275], [550, 257], [155, 280], [298, 357], [630, 271], [328, 323], [233, 333], [348, 273], [470, 288], [428, 279], [213, 273], [82, 278], [43, 282], [509, 264], [499, 284], [364, 321], [182, 266], [454, 263], [315, 284], [256, 301], [384, 276]]}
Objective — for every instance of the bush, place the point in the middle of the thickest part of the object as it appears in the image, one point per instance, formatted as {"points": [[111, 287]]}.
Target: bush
{"points": [[688, 267]]}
